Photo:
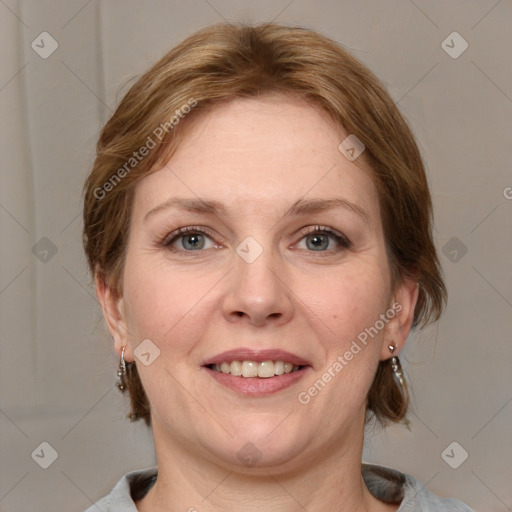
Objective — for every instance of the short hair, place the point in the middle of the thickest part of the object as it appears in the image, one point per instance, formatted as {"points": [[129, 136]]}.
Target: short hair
{"points": [[223, 62]]}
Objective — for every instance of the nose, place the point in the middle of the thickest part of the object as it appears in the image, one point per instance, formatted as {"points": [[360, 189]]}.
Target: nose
{"points": [[258, 292]]}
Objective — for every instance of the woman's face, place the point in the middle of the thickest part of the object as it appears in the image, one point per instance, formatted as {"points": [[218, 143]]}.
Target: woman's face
{"points": [[284, 260]]}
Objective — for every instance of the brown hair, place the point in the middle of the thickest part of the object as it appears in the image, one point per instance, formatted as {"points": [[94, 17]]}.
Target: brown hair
{"points": [[223, 62]]}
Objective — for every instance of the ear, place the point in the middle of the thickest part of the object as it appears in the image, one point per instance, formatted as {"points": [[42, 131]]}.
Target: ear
{"points": [[398, 328], [114, 312]]}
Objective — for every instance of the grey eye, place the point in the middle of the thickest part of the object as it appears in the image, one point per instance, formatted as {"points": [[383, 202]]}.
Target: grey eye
{"points": [[317, 242], [193, 241]]}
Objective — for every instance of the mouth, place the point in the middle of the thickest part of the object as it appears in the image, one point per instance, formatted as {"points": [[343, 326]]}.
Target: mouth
{"points": [[251, 369], [257, 373]]}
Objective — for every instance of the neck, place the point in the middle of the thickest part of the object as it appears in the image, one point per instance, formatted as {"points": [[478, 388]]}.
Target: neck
{"points": [[187, 481]]}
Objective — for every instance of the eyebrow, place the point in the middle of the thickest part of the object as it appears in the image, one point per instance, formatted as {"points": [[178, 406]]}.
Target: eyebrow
{"points": [[300, 207]]}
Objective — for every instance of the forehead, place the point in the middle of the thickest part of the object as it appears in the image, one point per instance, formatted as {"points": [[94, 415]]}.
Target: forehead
{"points": [[259, 154]]}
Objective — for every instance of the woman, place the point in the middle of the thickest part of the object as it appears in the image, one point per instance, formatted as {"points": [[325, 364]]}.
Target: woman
{"points": [[258, 222]]}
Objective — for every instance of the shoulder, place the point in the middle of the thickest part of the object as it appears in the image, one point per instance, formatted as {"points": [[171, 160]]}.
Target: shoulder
{"points": [[132, 486], [386, 484], [392, 486]]}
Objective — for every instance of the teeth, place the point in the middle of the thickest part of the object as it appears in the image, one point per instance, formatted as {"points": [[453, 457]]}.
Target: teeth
{"points": [[264, 370], [236, 368], [249, 369]]}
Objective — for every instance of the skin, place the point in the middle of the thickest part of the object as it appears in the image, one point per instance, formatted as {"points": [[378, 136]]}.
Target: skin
{"points": [[257, 157]]}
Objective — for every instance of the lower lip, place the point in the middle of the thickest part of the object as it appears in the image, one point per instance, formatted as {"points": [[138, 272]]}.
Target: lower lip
{"points": [[256, 386]]}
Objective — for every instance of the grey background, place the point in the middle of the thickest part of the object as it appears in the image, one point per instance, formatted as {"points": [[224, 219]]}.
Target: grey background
{"points": [[57, 365]]}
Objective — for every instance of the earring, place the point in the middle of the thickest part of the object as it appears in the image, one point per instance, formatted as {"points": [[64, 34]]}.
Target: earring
{"points": [[121, 373], [397, 368]]}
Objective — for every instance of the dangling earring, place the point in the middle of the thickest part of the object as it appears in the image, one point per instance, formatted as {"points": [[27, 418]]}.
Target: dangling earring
{"points": [[121, 373], [397, 368]]}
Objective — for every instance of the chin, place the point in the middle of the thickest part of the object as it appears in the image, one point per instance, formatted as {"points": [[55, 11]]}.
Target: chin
{"points": [[265, 445]]}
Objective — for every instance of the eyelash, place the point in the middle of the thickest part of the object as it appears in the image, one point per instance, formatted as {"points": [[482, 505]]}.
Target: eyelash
{"points": [[167, 242]]}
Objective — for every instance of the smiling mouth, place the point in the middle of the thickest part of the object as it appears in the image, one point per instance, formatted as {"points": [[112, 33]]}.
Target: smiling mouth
{"points": [[252, 369]]}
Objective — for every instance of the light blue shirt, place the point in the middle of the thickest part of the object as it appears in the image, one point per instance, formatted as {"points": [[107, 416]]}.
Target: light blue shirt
{"points": [[387, 485]]}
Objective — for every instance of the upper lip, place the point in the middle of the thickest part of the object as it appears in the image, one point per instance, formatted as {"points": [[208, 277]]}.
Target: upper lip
{"points": [[247, 354]]}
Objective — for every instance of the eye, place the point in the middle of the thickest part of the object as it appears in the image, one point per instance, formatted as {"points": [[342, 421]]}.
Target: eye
{"points": [[319, 239], [194, 239], [189, 239]]}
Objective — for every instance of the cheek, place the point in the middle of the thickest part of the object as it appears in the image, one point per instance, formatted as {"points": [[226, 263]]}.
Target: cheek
{"points": [[164, 304], [347, 302], [349, 306]]}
